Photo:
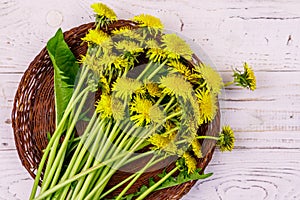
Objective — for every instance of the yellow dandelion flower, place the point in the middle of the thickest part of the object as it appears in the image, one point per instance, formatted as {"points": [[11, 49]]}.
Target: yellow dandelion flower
{"points": [[196, 146], [82, 59], [140, 110], [190, 162], [149, 21], [103, 106], [129, 46], [251, 79], [156, 114], [176, 47], [128, 32], [93, 64], [159, 141], [104, 84], [117, 108], [153, 89], [157, 54], [226, 139], [162, 143], [170, 135], [104, 11], [212, 78], [208, 106], [177, 66], [169, 125], [125, 87], [98, 37], [174, 84], [152, 44], [121, 63], [246, 79], [192, 127], [107, 60], [141, 91], [195, 111]]}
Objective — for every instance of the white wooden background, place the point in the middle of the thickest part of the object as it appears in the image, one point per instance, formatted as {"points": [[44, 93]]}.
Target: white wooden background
{"points": [[266, 33]]}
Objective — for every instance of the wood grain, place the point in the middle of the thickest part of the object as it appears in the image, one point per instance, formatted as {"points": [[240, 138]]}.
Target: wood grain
{"points": [[265, 163], [251, 174]]}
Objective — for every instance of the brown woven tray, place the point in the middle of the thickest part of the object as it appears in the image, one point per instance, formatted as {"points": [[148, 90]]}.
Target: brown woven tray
{"points": [[33, 116]]}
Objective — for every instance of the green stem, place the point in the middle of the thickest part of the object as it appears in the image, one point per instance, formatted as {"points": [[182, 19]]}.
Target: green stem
{"points": [[172, 107], [58, 172], [96, 178], [91, 158], [76, 177], [79, 159], [145, 70], [137, 175], [172, 130], [97, 160], [169, 104], [125, 159], [199, 137], [153, 187], [115, 151], [109, 171], [105, 177], [117, 186], [157, 70], [160, 99], [228, 83], [207, 137], [60, 130], [62, 150], [79, 146], [49, 147]]}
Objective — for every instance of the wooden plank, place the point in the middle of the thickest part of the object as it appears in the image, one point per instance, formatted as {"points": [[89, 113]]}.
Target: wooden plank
{"points": [[15, 182], [230, 33], [251, 174], [9, 84]]}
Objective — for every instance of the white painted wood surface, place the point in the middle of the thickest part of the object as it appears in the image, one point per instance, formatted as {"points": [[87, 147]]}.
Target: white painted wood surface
{"points": [[265, 33]]}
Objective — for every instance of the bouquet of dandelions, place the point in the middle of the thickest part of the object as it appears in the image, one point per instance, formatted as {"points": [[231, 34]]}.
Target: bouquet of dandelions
{"points": [[152, 94]]}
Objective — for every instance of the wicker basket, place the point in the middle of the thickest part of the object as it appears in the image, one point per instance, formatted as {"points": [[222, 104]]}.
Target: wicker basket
{"points": [[33, 116]]}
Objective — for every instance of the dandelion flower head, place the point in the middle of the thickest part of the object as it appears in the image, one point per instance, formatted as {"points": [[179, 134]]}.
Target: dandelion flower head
{"points": [[98, 37], [103, 106], [175, 84], [250, 77], [212, 78], [156, 114], [124, 87], [162, 143], [226, 139], [149, 21], [104, 11], [157, 54], [190, 162], [179, 67], [176, 47], [196, 146], [208, 106], [153, 89], [140, 110]]}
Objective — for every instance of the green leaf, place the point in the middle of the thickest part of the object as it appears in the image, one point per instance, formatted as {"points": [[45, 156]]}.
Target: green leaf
{"points": [[183, 177], [65, 72]]}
